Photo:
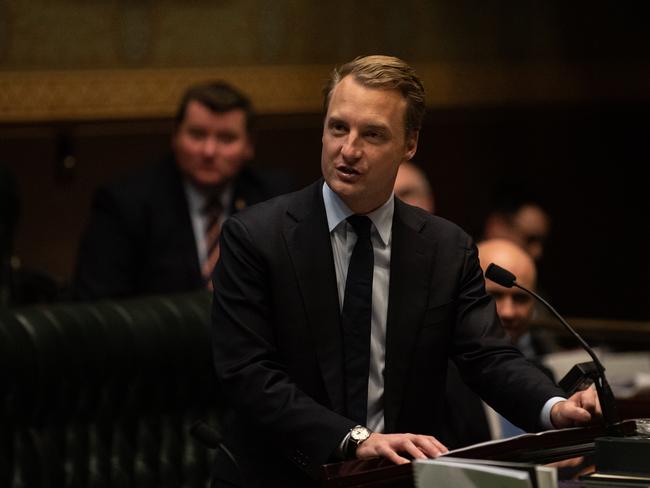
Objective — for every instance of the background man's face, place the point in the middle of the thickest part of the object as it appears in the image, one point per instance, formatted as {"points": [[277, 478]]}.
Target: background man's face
{"points": [[412, 188], [514, 306], [210, 147], [530, 228], [364, 143]]}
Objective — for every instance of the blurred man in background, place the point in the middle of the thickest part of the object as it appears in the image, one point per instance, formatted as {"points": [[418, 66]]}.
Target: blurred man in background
{"points": [[412, 186], [157, 230], [518, 217]]}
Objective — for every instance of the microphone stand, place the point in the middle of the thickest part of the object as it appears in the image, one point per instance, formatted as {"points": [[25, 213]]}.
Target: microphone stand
{"points": [[597, 374]]}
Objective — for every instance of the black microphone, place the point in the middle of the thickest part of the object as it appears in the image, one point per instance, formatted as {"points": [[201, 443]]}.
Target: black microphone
{"points": [[506, 279], [212, 439]]}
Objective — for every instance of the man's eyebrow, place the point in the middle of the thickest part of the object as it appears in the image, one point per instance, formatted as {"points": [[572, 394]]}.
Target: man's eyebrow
{"points": [[336, 120], [383, 128], [377, 127]]}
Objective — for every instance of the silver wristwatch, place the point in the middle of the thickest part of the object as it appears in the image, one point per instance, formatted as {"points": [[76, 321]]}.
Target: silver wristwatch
{"points": [[358, 435]]}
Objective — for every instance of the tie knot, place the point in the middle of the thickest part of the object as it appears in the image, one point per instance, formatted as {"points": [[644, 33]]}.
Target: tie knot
{"points": [[361, 225], [212, 206]]}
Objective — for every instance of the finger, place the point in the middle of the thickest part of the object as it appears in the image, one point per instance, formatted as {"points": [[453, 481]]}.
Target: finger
{"points": [[593, 402], [567, 414], [567, 463], [439, 445], [389, 453], [575, 414], [409, 446], [431, 446], [588, 403]]}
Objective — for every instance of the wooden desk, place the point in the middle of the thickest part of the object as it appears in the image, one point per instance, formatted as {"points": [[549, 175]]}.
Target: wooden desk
{"points": [[542, 448]]}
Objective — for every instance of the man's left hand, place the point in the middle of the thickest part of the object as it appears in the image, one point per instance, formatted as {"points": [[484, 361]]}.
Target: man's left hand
{"points": [[581, 408]]}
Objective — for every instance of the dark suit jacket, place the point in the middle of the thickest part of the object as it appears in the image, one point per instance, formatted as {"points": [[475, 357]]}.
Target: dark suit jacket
{"points": [[139, 238], [277, 339], [466, 422]]}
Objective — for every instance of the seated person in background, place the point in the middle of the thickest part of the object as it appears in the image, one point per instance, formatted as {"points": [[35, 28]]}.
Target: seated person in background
{"points": [[514, 306], [157, 230], [18, 285], [518, 217], [469, 419], [413, 187]]}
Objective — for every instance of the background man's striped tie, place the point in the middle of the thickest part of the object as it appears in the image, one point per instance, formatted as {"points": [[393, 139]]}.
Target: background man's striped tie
{"points": [[212, 211]]}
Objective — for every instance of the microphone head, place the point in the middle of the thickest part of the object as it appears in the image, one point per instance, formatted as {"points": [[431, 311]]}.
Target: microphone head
{"points": [[500, 275]]}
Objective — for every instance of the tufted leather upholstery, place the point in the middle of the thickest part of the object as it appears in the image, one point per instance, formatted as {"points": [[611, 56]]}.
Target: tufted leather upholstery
{"points": [[103, 394]]}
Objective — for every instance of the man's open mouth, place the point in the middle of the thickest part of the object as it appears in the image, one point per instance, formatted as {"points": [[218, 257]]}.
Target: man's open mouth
{"points": [[348, 170]]}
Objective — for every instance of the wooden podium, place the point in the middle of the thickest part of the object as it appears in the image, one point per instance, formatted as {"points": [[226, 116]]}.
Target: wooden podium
{"points": [[540, 448]]}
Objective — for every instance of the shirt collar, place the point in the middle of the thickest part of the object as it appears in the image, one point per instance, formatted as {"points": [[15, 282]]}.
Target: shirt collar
{"points": [[197, 199], [337, 211]]}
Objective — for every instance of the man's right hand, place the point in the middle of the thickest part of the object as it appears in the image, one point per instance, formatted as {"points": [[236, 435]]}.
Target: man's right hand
{"points": [[393, 446]]}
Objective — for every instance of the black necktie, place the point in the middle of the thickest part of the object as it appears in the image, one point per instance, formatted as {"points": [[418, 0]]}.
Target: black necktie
{"points": [[355, 319]]}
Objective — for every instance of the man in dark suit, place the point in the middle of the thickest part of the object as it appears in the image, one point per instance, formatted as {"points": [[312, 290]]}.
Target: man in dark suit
{"points": [[19, 286], [282, 326], [154, 231]]}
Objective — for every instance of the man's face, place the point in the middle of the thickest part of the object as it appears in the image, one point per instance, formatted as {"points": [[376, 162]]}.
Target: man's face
{"points": [[210, 147], [514, 306], [410, 187], [530, 226], [364, 143]]}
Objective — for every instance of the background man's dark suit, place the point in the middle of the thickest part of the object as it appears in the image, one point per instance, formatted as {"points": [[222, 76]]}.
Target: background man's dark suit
{"points": [[277, 341], [139, 238]]}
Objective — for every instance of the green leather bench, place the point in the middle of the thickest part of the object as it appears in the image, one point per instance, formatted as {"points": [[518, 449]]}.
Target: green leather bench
{"points": [[104, 394]]}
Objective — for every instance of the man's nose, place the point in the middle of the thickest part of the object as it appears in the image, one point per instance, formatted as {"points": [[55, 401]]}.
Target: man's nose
{"points": [[505, 307], [351, 150], [210, 147]]}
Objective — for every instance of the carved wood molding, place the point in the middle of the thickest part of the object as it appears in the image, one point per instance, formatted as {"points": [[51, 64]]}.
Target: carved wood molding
{"points": [[37, 96]]}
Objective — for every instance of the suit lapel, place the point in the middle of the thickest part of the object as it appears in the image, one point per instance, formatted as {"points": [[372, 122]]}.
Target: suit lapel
{"points": [[309, 245], [177, 216], [411, 258]]}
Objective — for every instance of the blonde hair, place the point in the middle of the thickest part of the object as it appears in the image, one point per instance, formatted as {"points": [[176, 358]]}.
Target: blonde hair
{"points": [[388, 73]]}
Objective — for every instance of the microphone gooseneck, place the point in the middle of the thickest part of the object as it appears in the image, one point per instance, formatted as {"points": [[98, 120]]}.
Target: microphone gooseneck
{"points": [[506, 279]]}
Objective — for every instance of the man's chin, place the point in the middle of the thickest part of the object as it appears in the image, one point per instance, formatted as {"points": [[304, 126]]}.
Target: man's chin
{"points": [[208, 182], [343, 188]]}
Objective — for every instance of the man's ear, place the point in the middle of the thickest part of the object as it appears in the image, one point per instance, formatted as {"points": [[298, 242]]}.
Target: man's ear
{"points": [[173, 137], [250, 148], [411, 144]]}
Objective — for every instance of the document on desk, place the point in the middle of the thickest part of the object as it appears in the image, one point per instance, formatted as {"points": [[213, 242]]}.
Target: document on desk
{"points": [[540, 476], [434, 473]]}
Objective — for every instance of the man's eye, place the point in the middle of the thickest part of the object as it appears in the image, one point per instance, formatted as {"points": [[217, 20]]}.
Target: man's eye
{"points": [[375, 136], [196, 134], [227, 138], [338, 128]]}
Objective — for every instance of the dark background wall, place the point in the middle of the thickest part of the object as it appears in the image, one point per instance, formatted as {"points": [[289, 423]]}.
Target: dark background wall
{"points": [[586, 161], [554, 93]]}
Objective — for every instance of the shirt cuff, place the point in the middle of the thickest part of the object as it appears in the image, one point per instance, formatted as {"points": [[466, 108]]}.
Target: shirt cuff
{"points": [[545, 416], [343, 446]]}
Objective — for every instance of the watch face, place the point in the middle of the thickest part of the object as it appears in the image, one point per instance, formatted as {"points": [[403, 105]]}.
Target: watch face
{"points": [[359, 434]]}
